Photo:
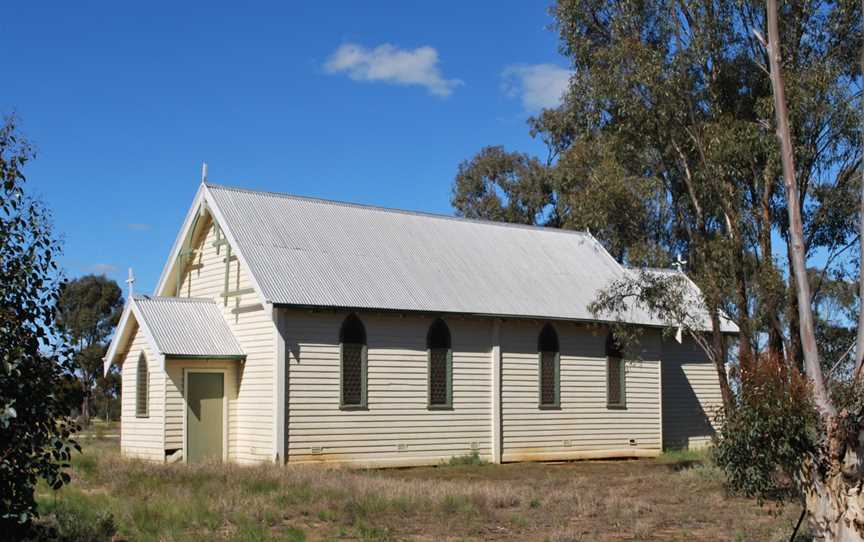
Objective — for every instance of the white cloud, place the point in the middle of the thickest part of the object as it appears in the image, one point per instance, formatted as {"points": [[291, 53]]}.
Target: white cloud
{"points": [[389, 64], [139, 227], [539, 86], [102, 268]]}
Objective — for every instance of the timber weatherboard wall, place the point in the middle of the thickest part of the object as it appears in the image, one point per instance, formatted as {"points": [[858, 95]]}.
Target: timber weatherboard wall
{"points": [[397, 427], [142, 437], [251, 428], [584, 425], [691, 395]]}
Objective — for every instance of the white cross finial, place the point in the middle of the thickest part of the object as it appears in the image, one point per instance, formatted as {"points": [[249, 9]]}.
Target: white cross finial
{"points": [[204, 172], [679, 263], [130, 282]]}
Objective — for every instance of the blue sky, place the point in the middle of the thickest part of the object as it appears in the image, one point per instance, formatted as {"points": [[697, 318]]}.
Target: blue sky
{"points": [[372, 102]]}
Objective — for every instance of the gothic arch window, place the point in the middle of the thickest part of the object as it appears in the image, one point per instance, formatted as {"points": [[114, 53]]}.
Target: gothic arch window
{"points": [[352, 363], [615, 374], [142, 385], [549, 369], [440, 356]]}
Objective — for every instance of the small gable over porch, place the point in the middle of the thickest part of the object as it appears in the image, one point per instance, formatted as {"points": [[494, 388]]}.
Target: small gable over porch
{"points": [[179, 369]]}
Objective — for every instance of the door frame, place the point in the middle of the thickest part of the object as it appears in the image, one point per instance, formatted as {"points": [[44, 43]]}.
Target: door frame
{"points": [[186, 373]]}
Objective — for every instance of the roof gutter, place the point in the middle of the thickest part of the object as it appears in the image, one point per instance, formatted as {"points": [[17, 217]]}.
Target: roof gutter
{"points": [[476, 315]]}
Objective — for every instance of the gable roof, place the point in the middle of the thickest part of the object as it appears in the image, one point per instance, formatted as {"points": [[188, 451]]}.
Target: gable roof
{"points": [[317, 253], [177, 327]]}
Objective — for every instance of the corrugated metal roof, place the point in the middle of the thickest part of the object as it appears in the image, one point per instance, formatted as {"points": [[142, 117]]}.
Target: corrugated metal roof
{"points": [[187, 327], [311, 252]]}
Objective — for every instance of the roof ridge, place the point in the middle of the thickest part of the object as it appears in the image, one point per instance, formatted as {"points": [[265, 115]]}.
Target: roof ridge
{"points": [[397, 210], [144, 297], [652, 268]]}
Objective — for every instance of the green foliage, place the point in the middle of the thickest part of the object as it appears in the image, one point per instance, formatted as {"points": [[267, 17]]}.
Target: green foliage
{"points": [[472, 459], [89, 308], [504, 186], [770, 435], [668, 296], [664, 144], [35, 430], [87, 312]]}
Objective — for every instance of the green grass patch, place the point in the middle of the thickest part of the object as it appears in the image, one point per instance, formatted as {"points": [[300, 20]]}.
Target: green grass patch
{"points": [[673, 456], [467, 460]]}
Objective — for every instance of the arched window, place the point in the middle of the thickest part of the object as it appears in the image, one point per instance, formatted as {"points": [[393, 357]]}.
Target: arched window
{"points": [[615, 374], [352, 357], [440, 355], [142, 377], [549, 368]]}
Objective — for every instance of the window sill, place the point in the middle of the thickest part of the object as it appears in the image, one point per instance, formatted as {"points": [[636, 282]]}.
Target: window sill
{"points": [[616, 407], [353, 407], [439, 407], [549, 407], [142, 416]]}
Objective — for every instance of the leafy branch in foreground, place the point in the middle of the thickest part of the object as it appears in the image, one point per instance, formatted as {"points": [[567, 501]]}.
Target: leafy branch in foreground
{"points": [[35, 428], [673, 300]]}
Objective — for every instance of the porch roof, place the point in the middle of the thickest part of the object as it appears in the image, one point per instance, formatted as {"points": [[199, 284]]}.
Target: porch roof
{"points": [[177, 327], [188, 327]]}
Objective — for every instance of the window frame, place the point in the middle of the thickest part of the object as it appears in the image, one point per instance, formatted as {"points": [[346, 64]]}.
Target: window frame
{"points": [[142, 407], [364, 363], [448, 405], [556, 368], [615, 356]]}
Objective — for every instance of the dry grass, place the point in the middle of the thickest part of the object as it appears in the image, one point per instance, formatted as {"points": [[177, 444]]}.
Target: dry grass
{"points": [[611, 500]]}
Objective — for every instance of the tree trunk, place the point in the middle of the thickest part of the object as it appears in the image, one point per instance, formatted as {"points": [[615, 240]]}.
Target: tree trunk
{"points": [[835, 500], [746, 357], [85, 410], [719, 358], [796, 356], [796, 228], [832, 482], [859, 350]]}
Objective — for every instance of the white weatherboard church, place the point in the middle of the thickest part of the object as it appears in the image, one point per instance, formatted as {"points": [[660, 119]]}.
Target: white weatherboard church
{"points": [[299, 330]]}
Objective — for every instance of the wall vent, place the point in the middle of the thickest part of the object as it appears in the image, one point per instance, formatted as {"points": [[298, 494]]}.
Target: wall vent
{"points": [[316, 449], [475, 445], [568, 443], [632, 442], [401, 447]]}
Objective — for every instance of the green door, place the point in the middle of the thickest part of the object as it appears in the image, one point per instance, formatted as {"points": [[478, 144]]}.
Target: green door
{"points": [[204, 404]]}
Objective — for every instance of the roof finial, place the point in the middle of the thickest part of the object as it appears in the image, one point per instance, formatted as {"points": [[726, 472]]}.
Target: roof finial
{"points": [[679, 263], [131, 282], [204, 172]]}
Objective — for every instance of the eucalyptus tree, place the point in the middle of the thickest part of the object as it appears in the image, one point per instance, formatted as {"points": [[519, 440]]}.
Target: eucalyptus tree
{"points": [[833, 472], [88, 310], [665, 143]]}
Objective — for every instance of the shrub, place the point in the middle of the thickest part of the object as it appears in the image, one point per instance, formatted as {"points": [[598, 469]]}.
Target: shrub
{"points": [[773, 429]]}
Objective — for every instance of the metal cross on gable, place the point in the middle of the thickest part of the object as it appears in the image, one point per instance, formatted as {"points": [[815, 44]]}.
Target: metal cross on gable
{"points": [[130, 282], [679, 263]]}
